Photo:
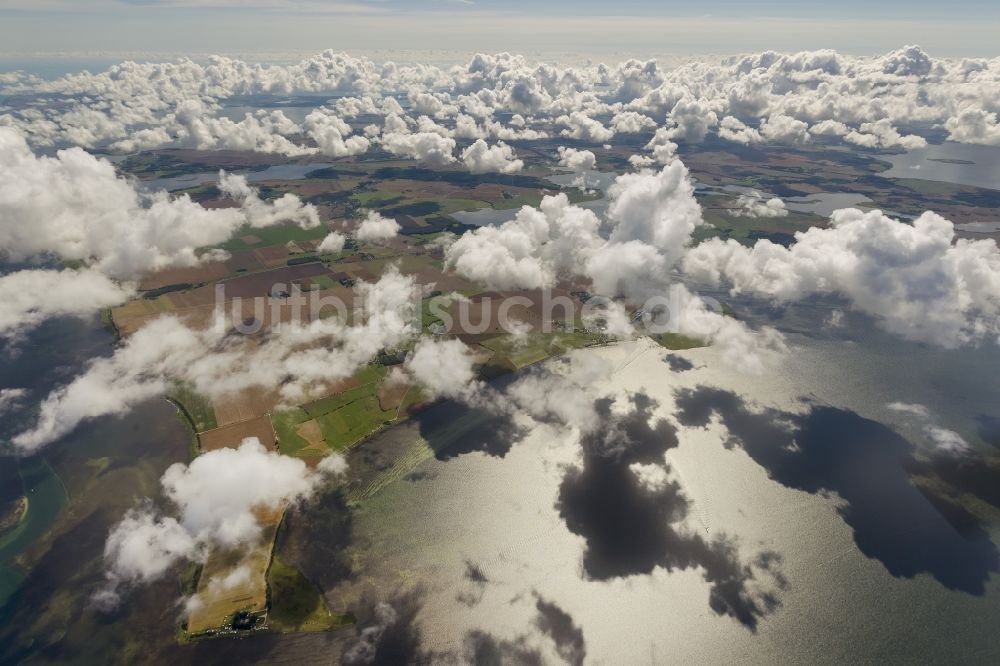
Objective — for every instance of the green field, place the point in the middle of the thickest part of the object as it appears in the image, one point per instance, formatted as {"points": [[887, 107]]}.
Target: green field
{"points": [[284, 423], [343, 419], [678, 342], [278, 234], [197, 408], [296, 604], [537, 346]]}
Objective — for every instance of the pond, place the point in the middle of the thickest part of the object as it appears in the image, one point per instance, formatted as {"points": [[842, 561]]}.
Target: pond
{"points": [[950, 162]]}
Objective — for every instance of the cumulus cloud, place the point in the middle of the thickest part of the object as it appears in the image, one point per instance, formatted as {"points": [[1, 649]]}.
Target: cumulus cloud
{"points": [[530, 250], [577, 160], [333, 243], [664, 150], [133, 106], [944, 440], [333, 135], [781, 128], [376, 228], [692, 119], [262, 131], [258, 213], [10, 398], [443, 367], [916, 280], [29, 297], [482, 158], [651, 217], [563, 391], [657, 208], [630, 122], [215, 498], [753, 204], [974, 125], [428, 147], [910, 408], [609, 317], [947, 441], [581, 126], [732, 129], [297, 357], [75, 206]]}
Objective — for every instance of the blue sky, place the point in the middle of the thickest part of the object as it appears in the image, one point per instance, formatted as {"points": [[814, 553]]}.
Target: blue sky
{"points": [[531, 26]]}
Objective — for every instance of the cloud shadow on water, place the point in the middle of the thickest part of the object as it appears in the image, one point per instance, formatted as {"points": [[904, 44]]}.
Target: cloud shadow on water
{"points": [[678, 363], [830, 450], [452, 429], [632, 527]]}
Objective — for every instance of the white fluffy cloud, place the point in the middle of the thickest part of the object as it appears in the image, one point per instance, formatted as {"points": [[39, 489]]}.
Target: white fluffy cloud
{"points": [[753, 204], [692, 119], [10, 398], [781, 128], [141, 105], [974, 125], [29, 297], [664, 150], [581, 126], [564, 391], [529, 251], [651, 217], [259, 213], [916, 280], [733, 129], [297, 357], [427, 147], [443, 367], [262, 131], [657, 208], [376, 228], [75, 206], [333, 243], [944, 440], [482, 158], [577, 160], [332, 135], [627, 122], [215, 497]]}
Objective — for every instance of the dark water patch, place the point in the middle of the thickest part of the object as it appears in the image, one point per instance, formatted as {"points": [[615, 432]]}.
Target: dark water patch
{"points": [[388, 633], [957, 516], [474, 573], [830, 450], [418, 475], [558, 625], [315, 539], [106, 465], [453, 429], [678, 363], [485, 649], [989, 429], [46, 498], [966, 472], [475, 580], [632, 527]]}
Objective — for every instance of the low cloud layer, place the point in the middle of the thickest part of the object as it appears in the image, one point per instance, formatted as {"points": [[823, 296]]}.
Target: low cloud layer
{"points": [[650, 220], [375, 228], [915, 279], [29, 297], [76, 207], [787, 98], [297, 359], [213, 500]]}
